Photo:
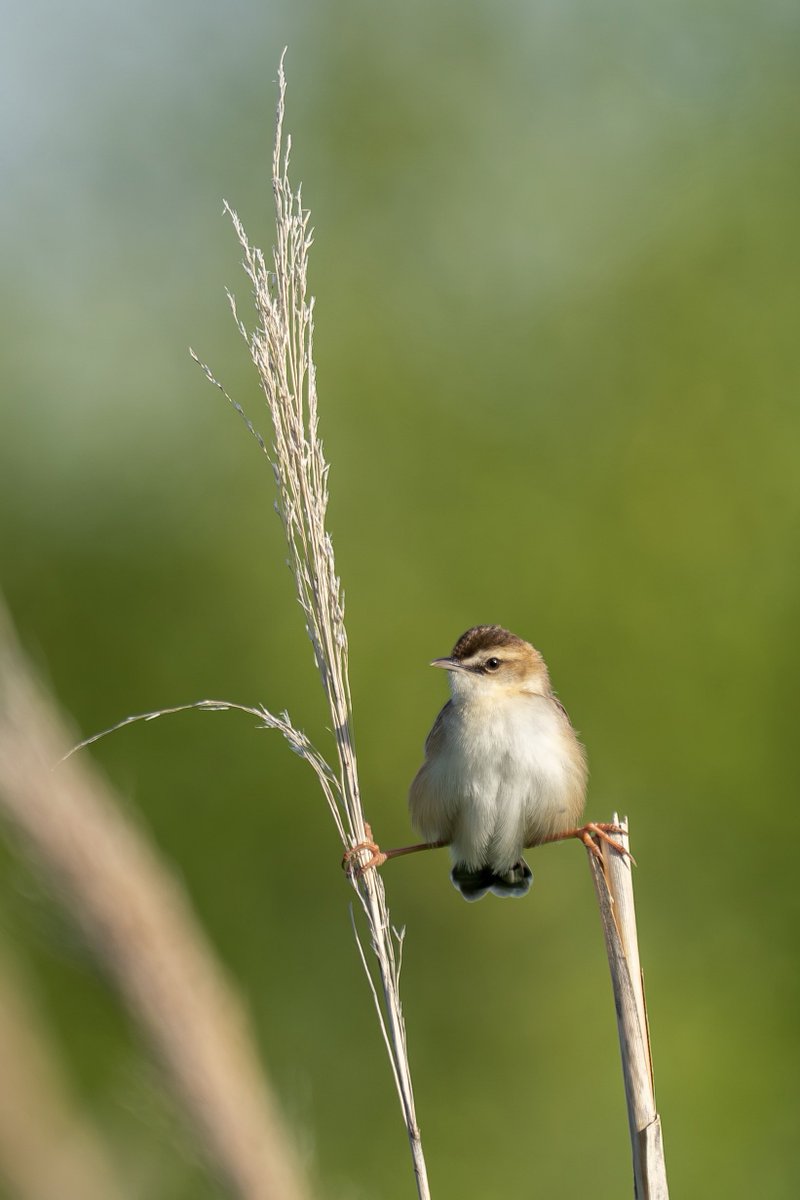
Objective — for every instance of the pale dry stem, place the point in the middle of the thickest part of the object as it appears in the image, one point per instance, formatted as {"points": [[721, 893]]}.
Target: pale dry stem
{"points": [[613, 882]]}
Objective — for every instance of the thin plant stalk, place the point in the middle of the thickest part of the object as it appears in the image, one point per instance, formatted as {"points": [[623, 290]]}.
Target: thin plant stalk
{"points": [[281, 346], [613, 883]]}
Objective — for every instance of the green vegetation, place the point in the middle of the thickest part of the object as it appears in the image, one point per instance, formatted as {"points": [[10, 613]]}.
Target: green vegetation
{"points": [[556, 271]]}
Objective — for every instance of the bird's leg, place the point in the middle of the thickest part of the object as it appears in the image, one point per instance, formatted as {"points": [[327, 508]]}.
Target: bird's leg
{"points": [[590, 834], [377, 856]]}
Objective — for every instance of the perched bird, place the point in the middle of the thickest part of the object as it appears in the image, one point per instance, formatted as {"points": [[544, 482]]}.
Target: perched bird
{"points": [[503, 768]]}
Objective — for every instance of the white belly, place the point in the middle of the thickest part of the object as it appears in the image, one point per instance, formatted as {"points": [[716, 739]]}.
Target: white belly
{"points": [[515, 778]]}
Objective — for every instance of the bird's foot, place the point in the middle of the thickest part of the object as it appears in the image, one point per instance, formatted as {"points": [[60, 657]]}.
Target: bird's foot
{"points": [[353, 865], [595, 832], [592, 834]]}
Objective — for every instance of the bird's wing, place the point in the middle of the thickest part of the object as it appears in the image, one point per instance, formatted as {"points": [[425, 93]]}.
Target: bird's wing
{"points": [[561, 709], [429, 808], [575, 741], [434, 739]]}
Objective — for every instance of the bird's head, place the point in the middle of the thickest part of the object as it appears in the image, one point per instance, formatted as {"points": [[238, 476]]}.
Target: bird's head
{"points": [[489, 661]]}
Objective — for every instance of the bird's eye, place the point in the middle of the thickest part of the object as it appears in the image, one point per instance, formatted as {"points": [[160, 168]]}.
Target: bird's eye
{"points": [[492, 664]]}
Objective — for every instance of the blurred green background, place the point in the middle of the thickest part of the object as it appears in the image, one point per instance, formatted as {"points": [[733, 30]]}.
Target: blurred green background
{"points": [[556, 274]]}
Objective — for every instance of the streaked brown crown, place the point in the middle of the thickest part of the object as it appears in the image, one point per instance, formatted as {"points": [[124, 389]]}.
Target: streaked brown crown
{"points": [[492, 651], [484, 637]]}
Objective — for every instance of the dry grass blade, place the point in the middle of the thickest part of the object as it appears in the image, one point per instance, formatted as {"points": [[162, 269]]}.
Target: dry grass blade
{"points": [[297, 740]]}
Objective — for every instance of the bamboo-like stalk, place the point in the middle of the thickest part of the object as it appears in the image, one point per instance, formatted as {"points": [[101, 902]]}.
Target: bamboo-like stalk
{"points": [[139, 921], [613, 883]]}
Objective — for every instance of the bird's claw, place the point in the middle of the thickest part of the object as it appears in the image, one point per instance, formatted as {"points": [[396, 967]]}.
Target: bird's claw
{"points": [[594, 832], [351, 861]]}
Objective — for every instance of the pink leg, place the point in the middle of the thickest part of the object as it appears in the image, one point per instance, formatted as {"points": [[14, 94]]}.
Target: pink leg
{"points": [[590, 834], [377, 856]]}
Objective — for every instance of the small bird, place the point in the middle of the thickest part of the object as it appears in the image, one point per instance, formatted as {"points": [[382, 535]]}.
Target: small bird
{"points": [[503, 768]]}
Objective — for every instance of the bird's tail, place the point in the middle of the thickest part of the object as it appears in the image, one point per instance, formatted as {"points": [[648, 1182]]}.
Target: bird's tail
{"points": [[474, 883]]}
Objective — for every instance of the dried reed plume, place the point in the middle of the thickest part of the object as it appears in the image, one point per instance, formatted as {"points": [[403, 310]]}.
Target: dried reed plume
{"points": [[141, 925], [281, 346]]}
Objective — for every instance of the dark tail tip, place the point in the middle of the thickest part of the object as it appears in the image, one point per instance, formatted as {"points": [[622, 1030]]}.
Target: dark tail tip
{"points": [[475, 883]]}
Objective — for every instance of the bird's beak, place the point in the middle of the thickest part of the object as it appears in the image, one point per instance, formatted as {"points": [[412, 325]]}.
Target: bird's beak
{"points": [[448, 664]]}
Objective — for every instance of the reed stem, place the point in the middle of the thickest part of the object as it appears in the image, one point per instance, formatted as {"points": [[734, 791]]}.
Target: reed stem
{"points": [[613, 883]]}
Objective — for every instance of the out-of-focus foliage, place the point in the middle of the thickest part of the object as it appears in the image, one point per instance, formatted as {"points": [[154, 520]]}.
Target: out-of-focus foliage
{"points": [[556, 271]]}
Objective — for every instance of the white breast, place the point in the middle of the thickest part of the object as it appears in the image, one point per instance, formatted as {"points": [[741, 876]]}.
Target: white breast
{"points": [[510, 774]]}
